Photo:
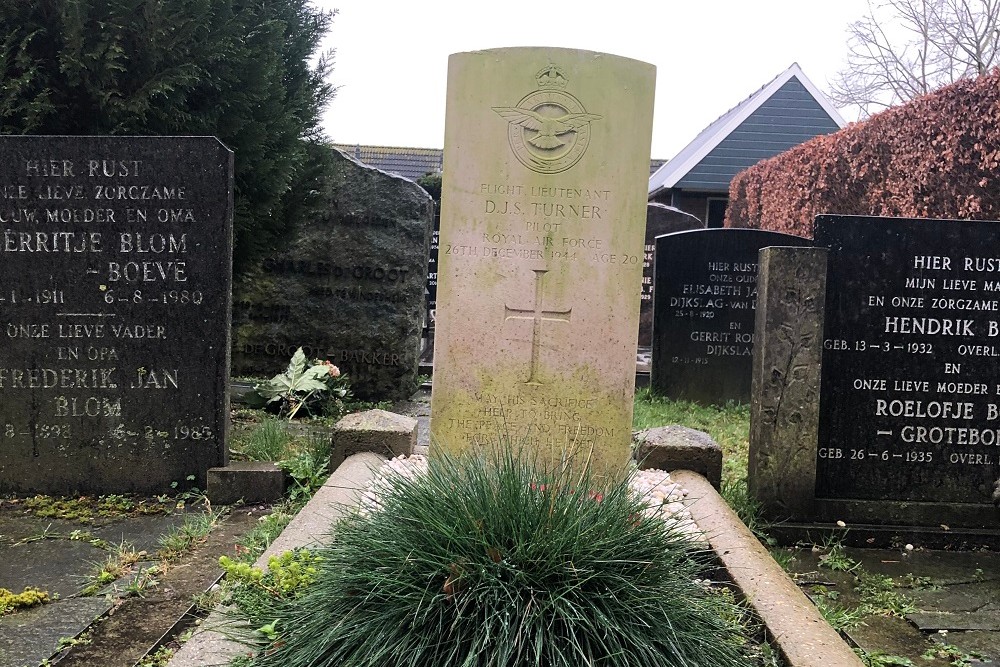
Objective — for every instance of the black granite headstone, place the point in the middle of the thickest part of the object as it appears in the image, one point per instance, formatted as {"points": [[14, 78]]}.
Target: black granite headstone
{"points": [[660, 219], [703, 331], [349, 288], [115, 312], [910, 389]]}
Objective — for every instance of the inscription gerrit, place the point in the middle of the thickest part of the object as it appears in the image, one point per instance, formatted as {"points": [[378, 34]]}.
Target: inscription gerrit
{"points": [[549, 129], [537, 315]]}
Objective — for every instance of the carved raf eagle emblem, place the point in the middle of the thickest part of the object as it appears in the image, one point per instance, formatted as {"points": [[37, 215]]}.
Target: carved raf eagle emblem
{"points": [[548, 128]]}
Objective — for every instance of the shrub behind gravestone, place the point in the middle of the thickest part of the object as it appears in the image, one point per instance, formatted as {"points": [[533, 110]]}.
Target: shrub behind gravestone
{"points": [[937, 156]]}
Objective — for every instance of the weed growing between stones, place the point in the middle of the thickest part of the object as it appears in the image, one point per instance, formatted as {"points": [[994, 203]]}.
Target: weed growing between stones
{"points": [[490, 561]]}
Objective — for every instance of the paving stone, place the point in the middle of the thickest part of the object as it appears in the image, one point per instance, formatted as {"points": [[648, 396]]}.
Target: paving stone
{"points": [[59, 567], [28, 637], [249, 481], [142, 532], [975, 620], [985, 644]]}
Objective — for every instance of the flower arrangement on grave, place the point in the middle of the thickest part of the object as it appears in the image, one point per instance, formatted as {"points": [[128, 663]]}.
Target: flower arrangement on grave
{"points": [[489, 560], [310, 385]]}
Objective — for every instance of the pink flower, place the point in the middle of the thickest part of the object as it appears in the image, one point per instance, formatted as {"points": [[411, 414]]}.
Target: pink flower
{"points": [[333, 370]]}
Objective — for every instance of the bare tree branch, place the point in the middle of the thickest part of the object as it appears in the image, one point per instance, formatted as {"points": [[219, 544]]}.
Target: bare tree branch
{"points": [[904, 48]]}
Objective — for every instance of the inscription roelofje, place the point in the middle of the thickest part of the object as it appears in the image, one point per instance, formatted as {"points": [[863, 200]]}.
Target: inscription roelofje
{"points": [[921, 369], [106, 261]]}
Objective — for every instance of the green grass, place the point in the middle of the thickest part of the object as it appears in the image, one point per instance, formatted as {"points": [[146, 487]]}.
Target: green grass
{"points": [[265, 440], [488, 561], [195, 529]]}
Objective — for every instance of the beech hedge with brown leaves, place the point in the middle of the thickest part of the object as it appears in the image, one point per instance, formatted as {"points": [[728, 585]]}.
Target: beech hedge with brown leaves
{"points": [[937, 156]]}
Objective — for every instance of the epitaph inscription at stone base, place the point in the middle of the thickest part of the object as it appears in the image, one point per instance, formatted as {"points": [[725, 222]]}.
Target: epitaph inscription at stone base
{"points": [[910, 393], [114, 369], [660, 219], [348, 288], [543, 209], [703, 329]]}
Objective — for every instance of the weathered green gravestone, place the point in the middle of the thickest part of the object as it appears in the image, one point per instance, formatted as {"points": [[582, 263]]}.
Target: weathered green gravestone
{"points": [[541, 252], [114, 308]]}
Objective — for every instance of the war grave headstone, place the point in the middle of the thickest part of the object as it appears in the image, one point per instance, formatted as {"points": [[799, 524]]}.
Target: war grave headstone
{"points": [[703, 332], [543, 209], [348, 288], [908, 426], [660, 219], [115, 307]]}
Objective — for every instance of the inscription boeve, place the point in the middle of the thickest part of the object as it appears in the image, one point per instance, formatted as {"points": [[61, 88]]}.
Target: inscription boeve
{"points": [[104, 258]]}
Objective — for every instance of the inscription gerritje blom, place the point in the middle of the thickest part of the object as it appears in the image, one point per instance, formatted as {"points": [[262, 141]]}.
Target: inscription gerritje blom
{"points": [[115, 312]]}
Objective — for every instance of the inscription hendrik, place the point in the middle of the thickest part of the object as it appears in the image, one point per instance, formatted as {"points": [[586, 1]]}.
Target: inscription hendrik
{"points": [[913, 351]]}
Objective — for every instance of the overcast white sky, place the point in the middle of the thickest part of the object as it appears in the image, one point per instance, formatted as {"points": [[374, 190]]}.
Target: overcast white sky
{"points": [[391, 55]]}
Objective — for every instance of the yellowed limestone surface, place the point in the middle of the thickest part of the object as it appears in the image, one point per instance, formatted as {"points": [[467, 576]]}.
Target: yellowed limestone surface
{"points": [[542, 222]]}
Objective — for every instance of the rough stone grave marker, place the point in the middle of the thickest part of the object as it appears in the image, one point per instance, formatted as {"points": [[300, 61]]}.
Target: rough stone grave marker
{"points": [[115, 312], [543, 209], [348, 288], [703, 333], [660, 219], [907, 429]]}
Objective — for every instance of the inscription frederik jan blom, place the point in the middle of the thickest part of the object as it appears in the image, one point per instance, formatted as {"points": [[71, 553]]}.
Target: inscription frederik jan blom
{"points": [[112, 252], [549, 129]]}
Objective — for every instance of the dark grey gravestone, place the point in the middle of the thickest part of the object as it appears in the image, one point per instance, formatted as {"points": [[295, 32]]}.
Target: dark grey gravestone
{"points": [[703, 333], [114, 304], [784, 405], [660, 219], [909, 423], [427, 355], [349, 288]]}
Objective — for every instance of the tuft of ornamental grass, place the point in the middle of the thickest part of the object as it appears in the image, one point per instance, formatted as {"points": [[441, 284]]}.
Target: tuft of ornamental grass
{"points": [[488, 560]]}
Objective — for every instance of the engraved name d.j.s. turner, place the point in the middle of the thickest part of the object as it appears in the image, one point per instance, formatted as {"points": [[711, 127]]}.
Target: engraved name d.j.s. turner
{"points": [[548, 130], [537, 315]]}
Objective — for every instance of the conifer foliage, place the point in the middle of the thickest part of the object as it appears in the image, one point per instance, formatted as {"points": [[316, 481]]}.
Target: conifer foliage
{"points": [[245, 71]]}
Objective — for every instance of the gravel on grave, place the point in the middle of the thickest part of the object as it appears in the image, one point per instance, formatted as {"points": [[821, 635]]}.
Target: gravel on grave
{"points": [[662, 497]]}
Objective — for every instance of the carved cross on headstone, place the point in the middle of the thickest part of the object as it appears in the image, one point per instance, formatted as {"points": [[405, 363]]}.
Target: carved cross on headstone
{"points": [[537, 316]]}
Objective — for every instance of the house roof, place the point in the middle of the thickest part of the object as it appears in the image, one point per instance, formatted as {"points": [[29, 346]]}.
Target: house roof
{"points": [[411, 163], [691, 155]]}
